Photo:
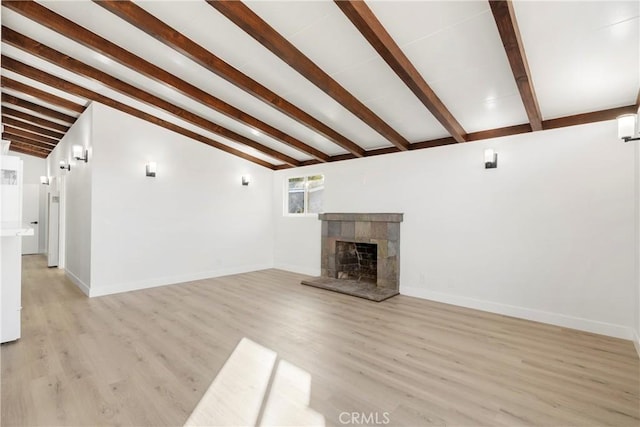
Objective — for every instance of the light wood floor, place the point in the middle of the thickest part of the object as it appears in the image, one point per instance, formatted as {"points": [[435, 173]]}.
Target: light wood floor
{"points": [[147, 357]]}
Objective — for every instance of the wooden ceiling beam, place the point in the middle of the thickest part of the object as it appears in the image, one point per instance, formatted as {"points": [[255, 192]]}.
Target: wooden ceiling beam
{"points": [[30, 127], [575, 120], [74, 89], [85, 37], [44, 52], [6, 111], [143, 20], [157, 29], [505, 18], [498, 132], [372, 29], [30, 135], [592, 117], [26, 141], [22, 149], [50, 98], [23, 103], [238, 13], [433, 143]]}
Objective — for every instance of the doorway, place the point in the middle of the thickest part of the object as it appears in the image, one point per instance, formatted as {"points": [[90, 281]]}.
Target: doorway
{"points": [[31, 216], [53, 228]]}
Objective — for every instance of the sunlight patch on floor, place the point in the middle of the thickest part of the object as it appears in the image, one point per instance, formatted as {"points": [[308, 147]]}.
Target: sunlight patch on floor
{"points": [[239, 391]]}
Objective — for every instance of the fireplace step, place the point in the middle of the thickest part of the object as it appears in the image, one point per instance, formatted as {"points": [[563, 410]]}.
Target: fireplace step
{"points": [[352, 287]]}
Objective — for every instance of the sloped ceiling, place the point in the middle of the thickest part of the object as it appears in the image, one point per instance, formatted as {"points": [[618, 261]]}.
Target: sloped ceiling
{"points": [[285, 83]]}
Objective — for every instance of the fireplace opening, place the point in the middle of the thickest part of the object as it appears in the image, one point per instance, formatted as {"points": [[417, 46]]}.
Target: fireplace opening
{"points": [[357, 261]]}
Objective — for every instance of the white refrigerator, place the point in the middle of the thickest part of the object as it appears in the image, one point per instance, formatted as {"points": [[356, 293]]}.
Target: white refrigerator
{"points": [[11, 232]]}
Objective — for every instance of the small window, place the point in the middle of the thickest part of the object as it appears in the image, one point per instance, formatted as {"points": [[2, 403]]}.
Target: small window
{"points": [[304, 194]]}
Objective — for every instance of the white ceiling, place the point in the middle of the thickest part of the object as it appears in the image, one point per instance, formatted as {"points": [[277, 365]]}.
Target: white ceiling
{"points": [[583, 56]]}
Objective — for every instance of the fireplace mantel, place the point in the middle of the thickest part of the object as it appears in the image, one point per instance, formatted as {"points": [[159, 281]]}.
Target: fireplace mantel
{"points": [[381, 229], [361, 217]]}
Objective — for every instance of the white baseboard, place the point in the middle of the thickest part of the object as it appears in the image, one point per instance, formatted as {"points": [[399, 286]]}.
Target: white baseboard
{"points": [[636, 342], [98, 291], [79, 283], [298, 269], [557, 319]]}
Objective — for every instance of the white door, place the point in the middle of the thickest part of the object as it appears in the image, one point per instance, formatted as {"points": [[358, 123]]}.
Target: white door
{"points": [[30, 215], [53, 227]]}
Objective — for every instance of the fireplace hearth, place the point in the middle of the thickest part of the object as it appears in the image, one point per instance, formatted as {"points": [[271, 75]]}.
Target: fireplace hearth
{"points": [[360, 254]]}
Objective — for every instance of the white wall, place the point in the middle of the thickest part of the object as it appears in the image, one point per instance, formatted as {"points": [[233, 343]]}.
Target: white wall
{"points": [[75, 188], [549, 235], [194, 220], [637, 254], [33, 169]]}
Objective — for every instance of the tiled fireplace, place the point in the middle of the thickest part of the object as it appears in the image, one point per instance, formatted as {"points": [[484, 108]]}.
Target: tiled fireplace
{"points": [[360, 254]]}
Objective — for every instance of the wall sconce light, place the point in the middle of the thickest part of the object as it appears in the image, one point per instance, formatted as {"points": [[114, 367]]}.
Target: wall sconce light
{"points": [[65, 165], [151, 169], [628, 127], [79, 153], [44, 180], [490, 159], [246, 179]]}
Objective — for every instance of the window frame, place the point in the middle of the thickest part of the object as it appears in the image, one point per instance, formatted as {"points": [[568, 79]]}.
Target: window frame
{"points": [[306, 212]]}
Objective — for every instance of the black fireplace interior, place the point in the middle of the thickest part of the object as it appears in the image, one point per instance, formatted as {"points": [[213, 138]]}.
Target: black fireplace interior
{"points": [[357, 261]]}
